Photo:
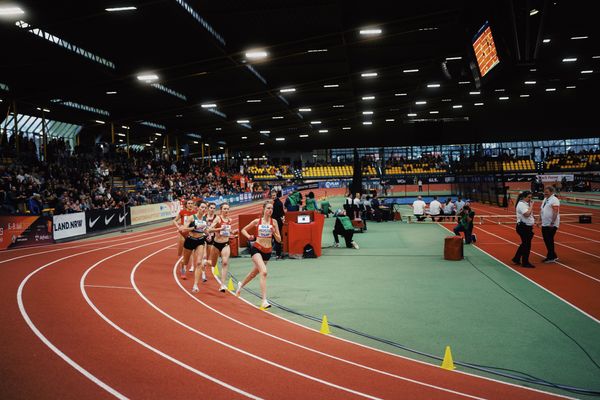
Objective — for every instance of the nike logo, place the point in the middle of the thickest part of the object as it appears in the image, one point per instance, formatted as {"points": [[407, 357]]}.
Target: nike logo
{"points": [[91, 223], [122, 217], [107, 221]]}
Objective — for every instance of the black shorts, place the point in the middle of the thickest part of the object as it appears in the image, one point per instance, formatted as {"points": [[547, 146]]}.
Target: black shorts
{"points": [[265, 256], [191, 243], [220, 246]]}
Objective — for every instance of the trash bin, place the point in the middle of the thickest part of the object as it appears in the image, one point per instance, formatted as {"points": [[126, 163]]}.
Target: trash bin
{"points": [[453, 248]]}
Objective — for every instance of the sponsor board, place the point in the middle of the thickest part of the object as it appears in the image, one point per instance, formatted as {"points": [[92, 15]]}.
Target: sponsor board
{"points": [[68, 225], [102, 220], [556, 177], [154, 212], [17, 231], [304, 186]]}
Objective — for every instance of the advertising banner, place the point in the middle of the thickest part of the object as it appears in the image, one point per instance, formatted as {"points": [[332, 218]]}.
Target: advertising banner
{"points": [[556, 177], [102, 220], [21, 231], [68, 225], [154, 212]]}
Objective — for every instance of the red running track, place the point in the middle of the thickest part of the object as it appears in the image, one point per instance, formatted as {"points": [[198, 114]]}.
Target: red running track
{"points": [[108, 318], [575, 278]]}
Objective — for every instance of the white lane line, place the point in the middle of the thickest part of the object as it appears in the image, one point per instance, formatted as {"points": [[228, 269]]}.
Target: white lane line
{"points": [[119, 240], [581, 227], [532, 281], [110, 287], [314, 350], [536, 253], [46, 341], [234, 348], [141, 342]]}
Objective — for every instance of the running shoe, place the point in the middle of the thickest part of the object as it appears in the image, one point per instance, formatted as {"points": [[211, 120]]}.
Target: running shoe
{"points": [[223, 288], [355, 245], [265, 305], [336, 245], [474, 238], [528, 265], [192, 268], [203, 276], [515, 261], [239, 289], [182, 273], [550, 260], [195, 289]]}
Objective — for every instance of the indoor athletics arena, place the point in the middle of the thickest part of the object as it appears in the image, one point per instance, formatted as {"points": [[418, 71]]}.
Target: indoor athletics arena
{"points": [[292, 199]]}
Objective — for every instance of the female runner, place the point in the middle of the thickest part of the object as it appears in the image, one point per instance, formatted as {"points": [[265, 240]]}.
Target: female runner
{"points": [[204, 258], [221, 226], [180, 221], [261, 249], [196, 238]]}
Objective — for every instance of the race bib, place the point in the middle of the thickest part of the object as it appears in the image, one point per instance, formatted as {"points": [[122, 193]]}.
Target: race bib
{"points": [[264, 231], [200, 225], [225, 230]]}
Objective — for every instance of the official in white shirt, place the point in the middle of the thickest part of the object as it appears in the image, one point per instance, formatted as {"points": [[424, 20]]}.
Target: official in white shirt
{"points": [[525, 222], [550, 216], [435, 208], [419, 208]]}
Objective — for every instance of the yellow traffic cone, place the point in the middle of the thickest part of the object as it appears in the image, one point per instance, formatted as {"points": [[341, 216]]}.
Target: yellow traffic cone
{"points": [[448, 363], [230, 285], [325, 326], [216, 270]]}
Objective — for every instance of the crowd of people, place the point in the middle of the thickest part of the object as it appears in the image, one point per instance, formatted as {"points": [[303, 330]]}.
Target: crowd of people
{"points": [[74, 182]]}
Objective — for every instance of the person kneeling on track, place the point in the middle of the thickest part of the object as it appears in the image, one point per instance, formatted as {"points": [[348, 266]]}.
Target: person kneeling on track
{"points": [[465, 224], [343, 226]]}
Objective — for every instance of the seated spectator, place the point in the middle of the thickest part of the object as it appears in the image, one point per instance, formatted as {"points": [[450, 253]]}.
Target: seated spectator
{"points": [[311, 203], [435, 209], [34, 204], [449, 208], [343, 226], [419, 208]]}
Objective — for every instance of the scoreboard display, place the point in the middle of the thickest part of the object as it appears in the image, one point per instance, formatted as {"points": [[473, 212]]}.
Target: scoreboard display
{"points": [[485, 49]]}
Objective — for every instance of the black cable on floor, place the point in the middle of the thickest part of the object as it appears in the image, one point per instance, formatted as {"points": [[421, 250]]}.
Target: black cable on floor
{"points": [[498, 371]]}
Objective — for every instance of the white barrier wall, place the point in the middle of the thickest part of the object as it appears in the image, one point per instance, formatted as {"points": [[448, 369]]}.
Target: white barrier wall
{"points": [[154, 212], [68, 225]]}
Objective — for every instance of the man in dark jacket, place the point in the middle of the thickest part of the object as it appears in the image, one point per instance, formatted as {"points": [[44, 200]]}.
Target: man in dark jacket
{"points": [[278, 215]]}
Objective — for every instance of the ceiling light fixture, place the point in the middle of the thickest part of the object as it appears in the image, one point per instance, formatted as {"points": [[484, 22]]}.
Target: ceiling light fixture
{"points": [[464, 82], [503, 98], [410, 71], [367, 123], [478, 104], [546, 41], [112, 92], [411, 114], [256, 54], [433, 85], [265, 131], [99, 122], [368, 74], [571, 87], [367, 112], [331, 86], [304, 110], [420, 102], [304, 135], [242, 121], [277, 117], [116, 9], [587, 71], [208, 105], [315, 122], [370, 31], [550, 89], [147, 77], [457, 106], [400, 94], [253, 101], [244, 137], [338, 106], [346, 128], [316, 51], [390, 120], [570, 59], [4, 11], [530, 82], [434, 112], [280, 139], [474, 93], [533, 12], [323, 131], [288, 90], [368, 98], [579, 37]]}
